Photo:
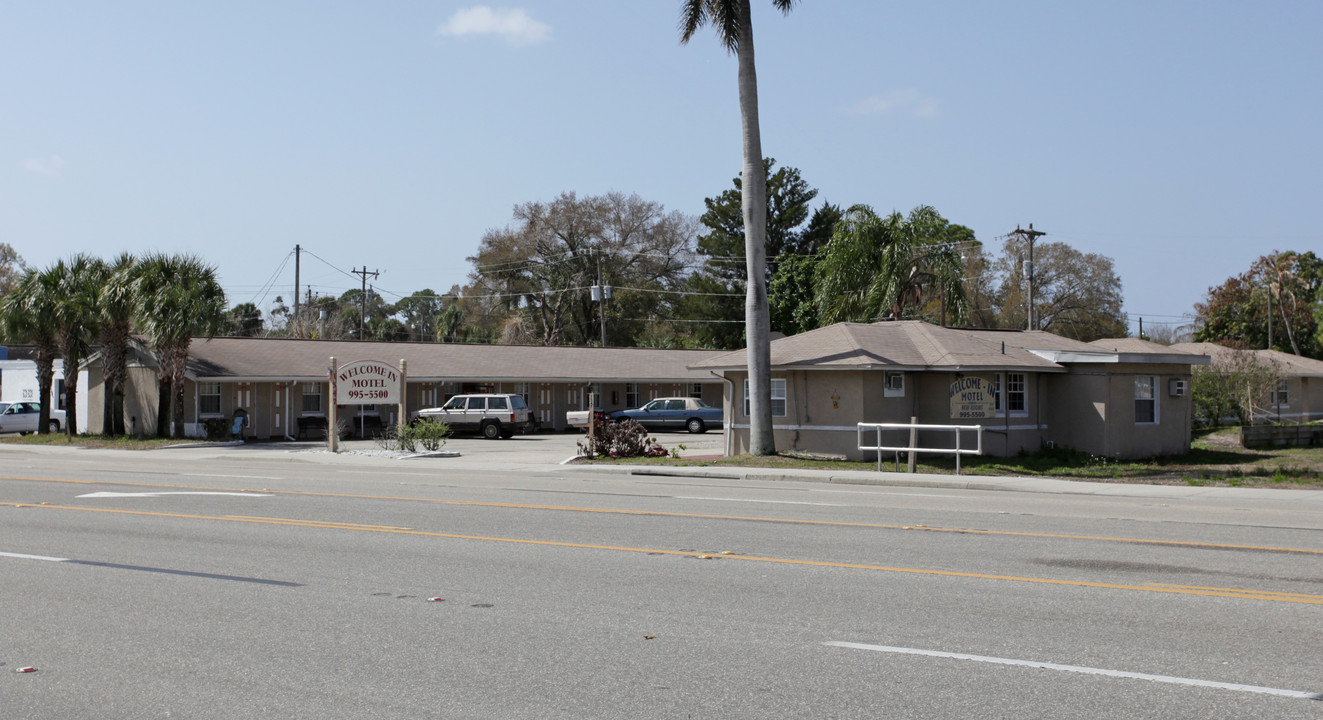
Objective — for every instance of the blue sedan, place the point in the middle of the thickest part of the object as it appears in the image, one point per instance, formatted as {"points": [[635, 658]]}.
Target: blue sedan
{"points": [[673, 413]]}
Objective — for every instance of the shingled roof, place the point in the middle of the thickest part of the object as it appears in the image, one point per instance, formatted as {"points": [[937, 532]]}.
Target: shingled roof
{"points": [[907, 345], [261, 359], [1286, 363]]}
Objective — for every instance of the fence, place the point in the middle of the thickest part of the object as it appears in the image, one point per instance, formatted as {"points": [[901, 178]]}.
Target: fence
{"points": [[913, 447]]}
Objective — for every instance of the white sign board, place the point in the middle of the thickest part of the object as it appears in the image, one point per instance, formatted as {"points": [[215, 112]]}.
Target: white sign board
{"points": [[367, 382], [972, 398]]}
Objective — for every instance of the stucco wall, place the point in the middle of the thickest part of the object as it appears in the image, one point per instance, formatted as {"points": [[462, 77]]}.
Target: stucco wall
{"points": [[1091, 408]]}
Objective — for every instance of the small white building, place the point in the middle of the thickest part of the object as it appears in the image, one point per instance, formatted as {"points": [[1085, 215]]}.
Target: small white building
{"points": [[18, 383]]}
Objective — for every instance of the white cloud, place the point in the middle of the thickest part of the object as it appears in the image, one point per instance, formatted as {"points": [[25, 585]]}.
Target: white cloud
{"points": [[52, 166], [898, 101], [514, 25]]}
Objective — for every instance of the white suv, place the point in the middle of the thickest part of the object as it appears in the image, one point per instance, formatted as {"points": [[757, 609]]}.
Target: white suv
{"points": [[493, 415]]}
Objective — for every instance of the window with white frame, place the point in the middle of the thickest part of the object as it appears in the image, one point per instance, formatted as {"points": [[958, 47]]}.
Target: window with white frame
{"points": [[1281, 397], [1010, 391], [312, 397], [1146, 400], [778, 397], [1016, 394], [631, 395], [521, 389], [696, 390], [209, 398]]}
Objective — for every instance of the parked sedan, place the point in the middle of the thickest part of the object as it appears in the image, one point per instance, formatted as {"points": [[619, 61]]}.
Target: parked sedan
{"points": [[673, 413], [21, 417]]}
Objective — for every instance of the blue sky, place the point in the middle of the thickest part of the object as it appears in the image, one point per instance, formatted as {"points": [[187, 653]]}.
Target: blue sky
{"points": [[1181, 139]]}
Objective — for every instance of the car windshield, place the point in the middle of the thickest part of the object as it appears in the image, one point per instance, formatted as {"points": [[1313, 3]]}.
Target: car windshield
{"points": [[700, 403], [455, 403], [655, 405]]}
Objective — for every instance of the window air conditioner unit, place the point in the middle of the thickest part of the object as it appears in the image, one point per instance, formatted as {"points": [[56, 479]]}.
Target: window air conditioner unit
{"points": [[1176, 387], [895, 381]]}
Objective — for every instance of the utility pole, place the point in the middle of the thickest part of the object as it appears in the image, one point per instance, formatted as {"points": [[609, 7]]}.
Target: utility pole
{"points": [[296, 294], [362, 312], [600, 294], [1031, 235]]}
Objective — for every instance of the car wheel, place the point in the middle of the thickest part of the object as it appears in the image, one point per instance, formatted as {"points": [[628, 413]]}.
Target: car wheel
{"points": [[491, 430], [696, 426], [54, 426]]}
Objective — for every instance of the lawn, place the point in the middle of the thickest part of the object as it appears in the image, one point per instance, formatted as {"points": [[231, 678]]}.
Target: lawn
{"points": [[119, 442], [1216, 459]]}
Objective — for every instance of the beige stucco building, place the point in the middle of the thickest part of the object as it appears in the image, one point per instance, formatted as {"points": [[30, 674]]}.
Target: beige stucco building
{"points": [[1299, 394], [1038, 390], [275, 382]]}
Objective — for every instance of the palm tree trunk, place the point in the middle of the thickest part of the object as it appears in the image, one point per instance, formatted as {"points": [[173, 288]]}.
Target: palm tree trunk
{"points": [[71, 396], [1290, 335], [178, 368], [45, 358], [113, 343], [163, 407], [754, 206]]}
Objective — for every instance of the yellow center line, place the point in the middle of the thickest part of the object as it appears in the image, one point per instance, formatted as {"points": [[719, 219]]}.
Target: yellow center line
{"points": [[700, 516], [330, 525], [313, 523]]}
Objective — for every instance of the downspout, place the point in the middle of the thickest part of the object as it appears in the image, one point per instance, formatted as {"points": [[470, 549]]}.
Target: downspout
{"points": [[287, 435], [726, 426], [1038, 409]]}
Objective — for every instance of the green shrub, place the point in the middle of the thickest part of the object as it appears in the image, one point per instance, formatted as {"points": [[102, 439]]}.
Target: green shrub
{"points": [[428, 434]]}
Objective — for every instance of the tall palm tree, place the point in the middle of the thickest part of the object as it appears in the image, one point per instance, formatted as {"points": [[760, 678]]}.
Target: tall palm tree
{"points": [[733, 22], [1281, 283], [878, 267], [178, 298], [27, 315], [77, 320], [117, 304]]}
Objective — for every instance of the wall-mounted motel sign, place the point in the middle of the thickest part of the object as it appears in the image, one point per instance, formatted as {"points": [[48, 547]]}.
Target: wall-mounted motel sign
{"points": [[367, 382], [971, 398]]}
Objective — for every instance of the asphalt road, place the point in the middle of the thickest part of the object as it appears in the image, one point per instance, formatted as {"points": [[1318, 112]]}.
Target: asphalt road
{"points": [[264, 583]]}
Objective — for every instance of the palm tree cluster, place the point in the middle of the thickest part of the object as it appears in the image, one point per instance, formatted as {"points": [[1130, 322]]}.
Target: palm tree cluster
{"points": [[83, 302]]}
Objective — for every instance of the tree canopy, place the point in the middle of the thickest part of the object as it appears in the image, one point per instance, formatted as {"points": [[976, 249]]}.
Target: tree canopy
{"points": [[1076, 294], [1281, 293], [535, 278]]}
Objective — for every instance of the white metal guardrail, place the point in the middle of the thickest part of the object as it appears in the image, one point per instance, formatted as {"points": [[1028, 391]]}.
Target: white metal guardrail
{"points": [[860, 428]]}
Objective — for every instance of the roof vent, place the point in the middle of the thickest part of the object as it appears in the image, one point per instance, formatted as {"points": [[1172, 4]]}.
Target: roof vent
{"points": [[1003, 347]]}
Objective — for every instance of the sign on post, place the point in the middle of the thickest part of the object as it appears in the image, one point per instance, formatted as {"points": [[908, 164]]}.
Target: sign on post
{"points": [[971, 399], [368, 382]]}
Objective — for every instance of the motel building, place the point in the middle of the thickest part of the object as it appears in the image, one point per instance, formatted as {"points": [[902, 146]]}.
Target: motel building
{"points": [[1027, 390]]}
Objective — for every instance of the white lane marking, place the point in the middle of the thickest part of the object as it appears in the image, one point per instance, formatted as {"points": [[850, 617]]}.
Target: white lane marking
{"points": [[241, 477], [159, 494], [21, 556], [1086, 670], [883, 491], [768, 502]]}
